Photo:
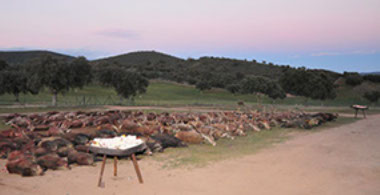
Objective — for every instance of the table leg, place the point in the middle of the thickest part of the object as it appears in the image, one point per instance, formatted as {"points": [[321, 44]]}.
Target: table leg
{"points": [[364, 113], [115, 166], [356, 113], [102, 170], [137, 169]]}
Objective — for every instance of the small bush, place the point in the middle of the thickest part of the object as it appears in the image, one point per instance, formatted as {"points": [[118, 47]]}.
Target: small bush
{"points": [[372, 96], [203, 85], [354, 80], [373, 78], [233, 88]]}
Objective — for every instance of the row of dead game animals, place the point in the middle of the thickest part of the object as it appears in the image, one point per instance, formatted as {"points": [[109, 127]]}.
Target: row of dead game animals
{"points": [[55, 140]]}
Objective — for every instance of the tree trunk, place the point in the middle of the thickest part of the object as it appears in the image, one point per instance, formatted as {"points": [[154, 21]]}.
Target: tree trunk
{"points": [[54, 99], [17, 97], [132, 100], [306, 101], [258, 99]]}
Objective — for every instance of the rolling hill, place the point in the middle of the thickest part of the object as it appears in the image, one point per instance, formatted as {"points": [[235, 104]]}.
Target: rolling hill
{"points": [[219, 71], [160, 62], [20, 57], [156, 65], [370, 73], [140, 58]]}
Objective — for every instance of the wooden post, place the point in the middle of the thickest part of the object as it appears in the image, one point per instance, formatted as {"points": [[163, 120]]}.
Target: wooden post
{"points": [[115, 166], [364, 113], [102, 170], [137, 169]]}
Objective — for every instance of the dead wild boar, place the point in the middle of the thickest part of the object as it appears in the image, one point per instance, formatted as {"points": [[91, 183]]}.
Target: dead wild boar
{"points": [[23, 164], [191, 137], [51, 161], [80, 158]]}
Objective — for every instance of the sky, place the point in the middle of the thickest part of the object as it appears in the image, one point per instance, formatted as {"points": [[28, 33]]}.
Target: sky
{"points": [[338, 35]]}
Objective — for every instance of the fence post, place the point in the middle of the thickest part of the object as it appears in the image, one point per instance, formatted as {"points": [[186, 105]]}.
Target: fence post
{"points": [[76, 101], [105, 101], [95, 100]]}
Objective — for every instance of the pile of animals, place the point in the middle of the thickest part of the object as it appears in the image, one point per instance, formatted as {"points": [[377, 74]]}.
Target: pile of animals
{"points": [[56, 140]]}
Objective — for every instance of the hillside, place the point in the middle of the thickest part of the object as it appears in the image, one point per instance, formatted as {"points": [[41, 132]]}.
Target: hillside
{"points": [[140, 58], [161, 63], [219, 72], [236, 67], [155, 65], [169, 93], [370, 73], [20, 57]]}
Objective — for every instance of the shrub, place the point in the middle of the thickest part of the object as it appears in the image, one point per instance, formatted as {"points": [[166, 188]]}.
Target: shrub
{"points": [[233, 88], [373, 78], [203, 85], [354, 80], [307, 83], [372, 96]]}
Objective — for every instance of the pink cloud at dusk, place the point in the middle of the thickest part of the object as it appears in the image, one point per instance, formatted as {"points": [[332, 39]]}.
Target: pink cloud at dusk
{"points": [[198, 26]]}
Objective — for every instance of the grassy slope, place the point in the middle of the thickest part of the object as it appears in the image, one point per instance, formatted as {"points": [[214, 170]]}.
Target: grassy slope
{"points": [[72, 97], [158, 93], [2, 125], [47, 109], [165, 93]]}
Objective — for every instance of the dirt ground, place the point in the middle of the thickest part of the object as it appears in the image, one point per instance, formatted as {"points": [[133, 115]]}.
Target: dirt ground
{"points": [[342, 160]]}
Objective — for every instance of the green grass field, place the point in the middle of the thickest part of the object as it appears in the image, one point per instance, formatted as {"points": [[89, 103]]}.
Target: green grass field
{"points": [[46, 109], [2, 125], [160, 93], [203, 154]]}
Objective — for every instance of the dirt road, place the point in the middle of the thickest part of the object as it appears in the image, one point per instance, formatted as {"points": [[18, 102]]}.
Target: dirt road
{"points": [[342, 160]]}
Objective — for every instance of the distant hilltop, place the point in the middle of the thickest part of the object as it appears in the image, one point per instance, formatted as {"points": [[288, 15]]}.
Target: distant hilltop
{"points": [[20, 57], [157, 64], [233, 75], [367, 73]]}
